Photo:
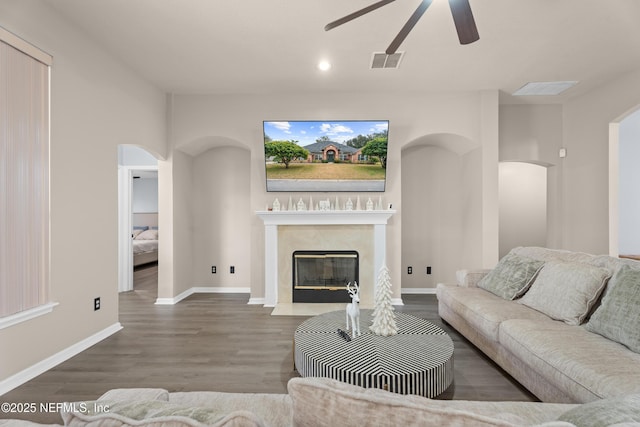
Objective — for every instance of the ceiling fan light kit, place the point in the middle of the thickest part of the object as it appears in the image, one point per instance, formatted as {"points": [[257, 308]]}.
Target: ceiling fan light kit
{"points": [[460, 10]]}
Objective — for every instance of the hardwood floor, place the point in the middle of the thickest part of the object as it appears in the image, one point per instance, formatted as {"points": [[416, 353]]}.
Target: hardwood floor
{"points": [[219, 342]]}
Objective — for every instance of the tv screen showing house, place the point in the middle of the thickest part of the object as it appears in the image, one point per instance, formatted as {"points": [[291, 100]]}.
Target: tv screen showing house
{"points": [[327, 156]]}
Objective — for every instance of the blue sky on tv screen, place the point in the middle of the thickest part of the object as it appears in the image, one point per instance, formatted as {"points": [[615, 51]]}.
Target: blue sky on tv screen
{"points": [[307, 132]]}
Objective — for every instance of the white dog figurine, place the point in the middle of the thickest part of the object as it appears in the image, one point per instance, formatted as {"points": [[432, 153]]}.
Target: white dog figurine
{"points": [[353, 309]]}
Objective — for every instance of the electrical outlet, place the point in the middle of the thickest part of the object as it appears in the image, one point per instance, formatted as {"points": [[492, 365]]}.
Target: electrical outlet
{"points": [[232, 269], [409, 270], [213, 269], [429, 270], [96, 304]]}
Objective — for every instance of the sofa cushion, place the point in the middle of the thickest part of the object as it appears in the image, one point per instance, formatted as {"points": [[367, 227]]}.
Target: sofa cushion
{"points": [[618, 317], [512, 276], [586, 365], [273, 409], [328, 402], [484, 310], [130, 394], [153, 413], [566, 290], [605, 412]]}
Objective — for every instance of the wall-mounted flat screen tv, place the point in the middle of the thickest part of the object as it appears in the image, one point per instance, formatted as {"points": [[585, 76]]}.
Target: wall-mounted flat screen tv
{"points": [[328, 156]]}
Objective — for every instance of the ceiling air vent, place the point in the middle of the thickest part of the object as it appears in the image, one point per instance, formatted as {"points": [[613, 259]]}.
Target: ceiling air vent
{"points": [[382, 60]]}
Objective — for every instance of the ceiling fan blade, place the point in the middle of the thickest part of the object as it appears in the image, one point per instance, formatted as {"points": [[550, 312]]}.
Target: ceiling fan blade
{"points": [[356, 14], [463, 18], [404, 32]]}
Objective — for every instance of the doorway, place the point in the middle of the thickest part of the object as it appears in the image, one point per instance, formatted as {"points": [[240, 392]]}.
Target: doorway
{"points": [[624, 195], [331, 156], [137, 211]]}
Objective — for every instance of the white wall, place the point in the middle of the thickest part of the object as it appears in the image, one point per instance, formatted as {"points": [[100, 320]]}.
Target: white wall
{"points": [[629, 190], [91, 114], [221, 191], [145, 195], [433, 209], [200, 123]]}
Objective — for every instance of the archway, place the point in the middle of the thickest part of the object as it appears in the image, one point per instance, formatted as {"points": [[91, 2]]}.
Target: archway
{"points": [[624, 196]]}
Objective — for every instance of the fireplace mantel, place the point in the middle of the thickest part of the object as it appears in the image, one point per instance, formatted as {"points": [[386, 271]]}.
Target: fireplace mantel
{"points": [[325, 217], [273, 219]]}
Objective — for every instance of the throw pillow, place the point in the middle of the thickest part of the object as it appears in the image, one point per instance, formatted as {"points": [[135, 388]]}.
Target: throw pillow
{"points": [[152, 413], [327, 402], [605, 412], [566, 290], [148, 235], [618, 317], [512, 276]]}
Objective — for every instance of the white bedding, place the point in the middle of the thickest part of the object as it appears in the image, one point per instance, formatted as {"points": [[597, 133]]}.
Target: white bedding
{"points": [[141, 246]]}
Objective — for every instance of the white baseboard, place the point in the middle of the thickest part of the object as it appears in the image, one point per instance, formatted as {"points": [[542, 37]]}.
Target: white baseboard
{"points": [[256, 301], [202, 290], [397, 301], [51, 362], [419, 291]]}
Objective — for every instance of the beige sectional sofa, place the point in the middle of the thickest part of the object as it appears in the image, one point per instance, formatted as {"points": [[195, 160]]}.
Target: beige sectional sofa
{"points": [[568, 329], [319, 402], [564, 324]]}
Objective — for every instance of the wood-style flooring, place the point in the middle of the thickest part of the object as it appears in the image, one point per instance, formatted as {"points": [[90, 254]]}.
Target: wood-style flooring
{"points": [[218, 342]]}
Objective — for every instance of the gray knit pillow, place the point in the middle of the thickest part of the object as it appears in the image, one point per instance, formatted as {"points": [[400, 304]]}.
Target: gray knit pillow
{"points": [[566, 290], [618, 317], [512, 276]]}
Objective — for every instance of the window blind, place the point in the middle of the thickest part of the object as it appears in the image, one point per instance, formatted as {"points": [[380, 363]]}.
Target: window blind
{"points": [[24, 177]]}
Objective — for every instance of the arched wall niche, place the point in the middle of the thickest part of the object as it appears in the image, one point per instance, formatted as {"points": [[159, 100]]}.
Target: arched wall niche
{"points": [[221, 212], [441, 206], [455, 143], [200, 145]]}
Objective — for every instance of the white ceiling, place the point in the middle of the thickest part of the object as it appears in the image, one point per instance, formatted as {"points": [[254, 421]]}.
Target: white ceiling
{"points": [[260, 46]]}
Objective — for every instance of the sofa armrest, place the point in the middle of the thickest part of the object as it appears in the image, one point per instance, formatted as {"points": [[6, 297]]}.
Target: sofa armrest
{"points": [[470, 278]]}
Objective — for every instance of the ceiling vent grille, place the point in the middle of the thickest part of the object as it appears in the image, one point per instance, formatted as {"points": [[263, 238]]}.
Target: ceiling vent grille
{"points": [[382, 60]]}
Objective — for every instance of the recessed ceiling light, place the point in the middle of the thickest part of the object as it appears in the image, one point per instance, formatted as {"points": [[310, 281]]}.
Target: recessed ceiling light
{"points": [[324, 65], [544, 88]]}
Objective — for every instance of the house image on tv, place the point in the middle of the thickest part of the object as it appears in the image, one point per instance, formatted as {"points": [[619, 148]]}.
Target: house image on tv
{"points": [[330, 151]]}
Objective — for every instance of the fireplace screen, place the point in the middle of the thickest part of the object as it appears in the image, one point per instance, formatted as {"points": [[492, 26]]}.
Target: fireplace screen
{"points": [[322, 276]]}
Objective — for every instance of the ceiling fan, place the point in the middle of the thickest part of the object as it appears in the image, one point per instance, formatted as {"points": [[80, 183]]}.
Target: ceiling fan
{"points": [[460, 9]]}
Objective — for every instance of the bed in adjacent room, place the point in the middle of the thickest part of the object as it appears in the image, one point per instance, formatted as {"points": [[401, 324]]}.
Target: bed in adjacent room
{"points": [[145, 238]]}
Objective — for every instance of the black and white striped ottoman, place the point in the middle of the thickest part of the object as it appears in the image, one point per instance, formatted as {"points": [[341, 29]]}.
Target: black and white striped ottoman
{"points": [[418, 360]]}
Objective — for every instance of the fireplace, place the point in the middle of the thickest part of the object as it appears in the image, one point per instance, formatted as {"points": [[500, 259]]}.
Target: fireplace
{"points": [[322, 276], [288, 231]]}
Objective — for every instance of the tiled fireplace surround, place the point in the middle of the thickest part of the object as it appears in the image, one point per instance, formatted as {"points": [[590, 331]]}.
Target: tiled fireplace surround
{"points": [[288, 231]]}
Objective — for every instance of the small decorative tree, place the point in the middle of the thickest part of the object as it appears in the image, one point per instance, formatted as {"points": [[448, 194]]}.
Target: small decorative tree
{"points": [[384, 319]]}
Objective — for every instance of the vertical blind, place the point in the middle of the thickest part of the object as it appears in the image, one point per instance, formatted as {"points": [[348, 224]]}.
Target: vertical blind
{"points": [[24, 181]]}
